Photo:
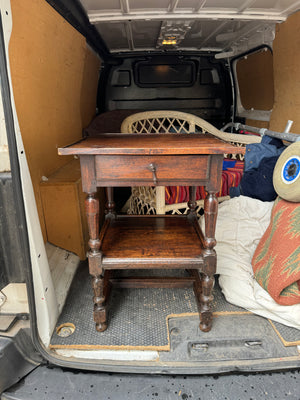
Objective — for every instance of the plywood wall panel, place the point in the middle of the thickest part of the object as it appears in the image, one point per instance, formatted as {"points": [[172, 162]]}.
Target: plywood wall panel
{"points": [[255, 77], [257, 124], [89, 87], [286, 50], [54, 98]]}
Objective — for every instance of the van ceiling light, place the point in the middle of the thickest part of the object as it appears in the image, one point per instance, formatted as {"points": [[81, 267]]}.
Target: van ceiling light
{"points": [[169, 42], [172, 33]]}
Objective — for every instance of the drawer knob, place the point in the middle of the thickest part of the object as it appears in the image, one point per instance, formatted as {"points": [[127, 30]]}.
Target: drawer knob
{"points": [[152, 168]]}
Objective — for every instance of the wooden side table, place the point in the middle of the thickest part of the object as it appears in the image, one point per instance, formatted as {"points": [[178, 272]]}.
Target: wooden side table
{"points": [[156, 241]]}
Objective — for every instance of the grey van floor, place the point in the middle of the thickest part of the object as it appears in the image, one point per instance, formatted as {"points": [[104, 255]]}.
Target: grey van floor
{"points": [[149, 318]]}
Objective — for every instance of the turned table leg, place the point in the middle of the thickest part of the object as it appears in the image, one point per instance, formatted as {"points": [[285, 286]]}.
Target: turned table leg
{"points": [[110, 203], [196, 273], [210, 261], [192, 204], [99, 299], [95, 262]]}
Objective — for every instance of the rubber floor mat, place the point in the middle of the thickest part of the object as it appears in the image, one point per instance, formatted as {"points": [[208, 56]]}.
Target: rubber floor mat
{"points": [[137, 318], [289, 336]]}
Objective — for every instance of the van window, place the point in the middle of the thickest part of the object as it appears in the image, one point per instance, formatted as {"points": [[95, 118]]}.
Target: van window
{"points": [[167, 75], [255, 81]]}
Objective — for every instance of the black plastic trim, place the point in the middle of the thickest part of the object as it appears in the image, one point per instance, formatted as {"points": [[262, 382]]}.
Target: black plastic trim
{"points": [[14, 363], [11, 257], [74, 13]]}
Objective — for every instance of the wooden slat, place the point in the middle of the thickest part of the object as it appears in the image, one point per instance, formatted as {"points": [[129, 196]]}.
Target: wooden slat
{"points": [[153, 282], [150, 144]]}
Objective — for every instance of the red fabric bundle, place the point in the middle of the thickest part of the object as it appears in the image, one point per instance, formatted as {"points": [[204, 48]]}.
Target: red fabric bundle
{"points": [[231, 177]]}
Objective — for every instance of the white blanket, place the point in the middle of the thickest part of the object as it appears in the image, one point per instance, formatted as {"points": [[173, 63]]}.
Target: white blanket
{"points": [[240, 225]]}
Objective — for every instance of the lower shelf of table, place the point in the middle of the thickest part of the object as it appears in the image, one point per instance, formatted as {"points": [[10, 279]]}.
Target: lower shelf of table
{"points": [[158, 241]]}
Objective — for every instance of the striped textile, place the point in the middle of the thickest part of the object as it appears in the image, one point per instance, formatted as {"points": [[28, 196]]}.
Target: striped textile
{"points": [[276, 260], [231, 177]]}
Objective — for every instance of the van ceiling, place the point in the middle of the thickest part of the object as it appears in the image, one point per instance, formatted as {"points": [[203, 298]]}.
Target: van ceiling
{"points": [[226, 27]]}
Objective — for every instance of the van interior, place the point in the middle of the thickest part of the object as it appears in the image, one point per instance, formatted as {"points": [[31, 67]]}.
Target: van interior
{"points": [[80, 69]]}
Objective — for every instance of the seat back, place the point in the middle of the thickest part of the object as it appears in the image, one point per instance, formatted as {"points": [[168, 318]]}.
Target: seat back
{"points": [[161, 121], [147, 200]]}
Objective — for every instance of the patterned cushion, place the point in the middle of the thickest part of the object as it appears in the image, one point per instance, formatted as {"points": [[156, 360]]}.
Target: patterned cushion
{"points": [[276, 260], [231, 177]]}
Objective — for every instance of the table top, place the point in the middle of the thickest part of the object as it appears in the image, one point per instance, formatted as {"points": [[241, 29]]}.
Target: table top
{"points": [[151, 144]]}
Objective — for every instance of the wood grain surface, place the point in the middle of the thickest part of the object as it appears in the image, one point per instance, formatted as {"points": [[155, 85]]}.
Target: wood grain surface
{"points": [[147, 144]]}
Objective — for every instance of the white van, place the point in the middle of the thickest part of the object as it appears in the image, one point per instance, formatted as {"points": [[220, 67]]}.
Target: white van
{"points": [[79, 69]]}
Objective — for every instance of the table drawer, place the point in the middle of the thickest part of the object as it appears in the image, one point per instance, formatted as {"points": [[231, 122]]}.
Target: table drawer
{"points": [[151, 169]]}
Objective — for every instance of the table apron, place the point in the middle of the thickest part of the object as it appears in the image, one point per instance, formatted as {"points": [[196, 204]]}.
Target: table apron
{"points": [[139, 169]]}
